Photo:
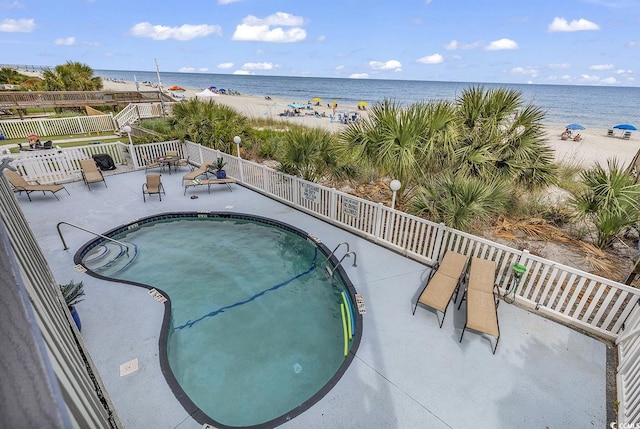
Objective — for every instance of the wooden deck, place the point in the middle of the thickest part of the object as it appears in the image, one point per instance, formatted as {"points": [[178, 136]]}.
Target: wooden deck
{"points": [[52, 99]]}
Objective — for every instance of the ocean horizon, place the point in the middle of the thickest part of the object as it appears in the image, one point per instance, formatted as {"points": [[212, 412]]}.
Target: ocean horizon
{"points": [[592, 106]]}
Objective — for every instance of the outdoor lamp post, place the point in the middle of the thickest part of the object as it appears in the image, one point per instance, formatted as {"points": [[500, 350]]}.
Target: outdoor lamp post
{"points": [[395, 186], [237, 140], [127, 129]]}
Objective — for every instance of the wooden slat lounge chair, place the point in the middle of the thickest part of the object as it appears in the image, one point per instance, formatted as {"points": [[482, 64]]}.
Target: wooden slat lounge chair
{"points": [[91, 173], [200, 171], [444, 280], [20, 185], [152, 186], [482, 300], [626, 135]]}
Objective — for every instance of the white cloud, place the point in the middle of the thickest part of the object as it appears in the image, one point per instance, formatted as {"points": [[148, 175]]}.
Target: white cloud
{"points": [[11, 5], [633, 44], [386, 65], [186, 69], [359, 76], [601, 67], [610, 80], [225, 66], [562, 25], [183, 33], [17, 25], [431, 59], [623, 72], [65, 41], [502, 44], [455, 44], [529, 70], [270, 29], [340, 67], [223, 2], [258, 66], [559, 66], [243, 72]]}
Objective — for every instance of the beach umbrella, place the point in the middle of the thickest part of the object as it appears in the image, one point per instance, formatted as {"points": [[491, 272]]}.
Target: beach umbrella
{"points": [[574, 127], [316, 99], [33, 136], [295, 105], [363, 103], [627, 127]]}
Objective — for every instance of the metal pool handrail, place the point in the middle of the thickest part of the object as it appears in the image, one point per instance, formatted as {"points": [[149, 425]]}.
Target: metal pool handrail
{"points": [[90, 232]]}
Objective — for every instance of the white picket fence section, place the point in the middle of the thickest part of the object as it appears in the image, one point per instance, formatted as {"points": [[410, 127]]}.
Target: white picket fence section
{"points": [[60, 165], [44, 127], [586, 301]]}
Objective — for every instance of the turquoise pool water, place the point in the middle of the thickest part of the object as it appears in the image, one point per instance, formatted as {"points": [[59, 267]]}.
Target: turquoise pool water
{"points": [[256, 328]]}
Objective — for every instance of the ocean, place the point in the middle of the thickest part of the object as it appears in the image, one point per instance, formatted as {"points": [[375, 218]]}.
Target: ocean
{"points": [[591, 106]]}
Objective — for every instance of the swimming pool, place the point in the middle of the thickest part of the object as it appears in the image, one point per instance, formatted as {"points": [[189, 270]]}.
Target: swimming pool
{"points": [[254, 331]]}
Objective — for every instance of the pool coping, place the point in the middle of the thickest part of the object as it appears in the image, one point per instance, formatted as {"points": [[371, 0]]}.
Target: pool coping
{"points": [[191, 408]]}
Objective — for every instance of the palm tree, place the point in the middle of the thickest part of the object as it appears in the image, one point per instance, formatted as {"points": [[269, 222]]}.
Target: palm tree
{"points": [[461, 201], [611, 201], [503, 137], [72, 76], [208, 123], [308, 153]]}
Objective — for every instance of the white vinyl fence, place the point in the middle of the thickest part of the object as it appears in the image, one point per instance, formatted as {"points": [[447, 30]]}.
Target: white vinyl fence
{"points": [[16, 128], [586, 301]]}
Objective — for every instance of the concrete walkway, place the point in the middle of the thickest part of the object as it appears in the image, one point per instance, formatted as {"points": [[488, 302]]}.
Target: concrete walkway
{"points": [[407, 373]]}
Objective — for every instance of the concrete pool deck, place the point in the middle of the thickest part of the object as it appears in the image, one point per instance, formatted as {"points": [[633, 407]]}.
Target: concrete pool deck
{"points": [[407, 372]]}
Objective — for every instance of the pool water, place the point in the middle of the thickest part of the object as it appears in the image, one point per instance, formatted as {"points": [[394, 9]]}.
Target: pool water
{"points": [[256, 327]]}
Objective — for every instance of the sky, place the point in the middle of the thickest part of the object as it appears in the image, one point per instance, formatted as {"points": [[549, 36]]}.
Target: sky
{"points": [[569, 42]]}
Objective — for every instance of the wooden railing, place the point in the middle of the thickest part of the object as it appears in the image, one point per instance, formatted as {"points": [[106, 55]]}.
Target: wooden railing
{"points": [[53, 99]]}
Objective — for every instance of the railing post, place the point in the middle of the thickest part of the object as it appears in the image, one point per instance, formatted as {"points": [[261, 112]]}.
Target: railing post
{"points": [[266, 182], [378, 222], [333, 204], [437, 244]]}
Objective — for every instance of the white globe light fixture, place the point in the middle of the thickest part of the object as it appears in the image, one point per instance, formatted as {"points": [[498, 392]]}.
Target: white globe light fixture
{"points": [[395, 186], [237, 140], [127, 129]]}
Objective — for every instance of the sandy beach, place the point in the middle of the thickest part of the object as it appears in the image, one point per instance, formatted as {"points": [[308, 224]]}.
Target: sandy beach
{"points": [[594, 147]]}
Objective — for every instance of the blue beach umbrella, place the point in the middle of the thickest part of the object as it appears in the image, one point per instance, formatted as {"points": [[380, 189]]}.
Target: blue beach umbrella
{"points": [[574, 127], [295, 105], [627, 127]]}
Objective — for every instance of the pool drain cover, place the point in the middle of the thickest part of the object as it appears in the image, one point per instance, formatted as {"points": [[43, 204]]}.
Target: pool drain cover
{"points": [[129, 367]]}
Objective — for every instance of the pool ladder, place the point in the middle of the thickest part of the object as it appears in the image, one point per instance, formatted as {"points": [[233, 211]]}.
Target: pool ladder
{"points": [[330, 270]]}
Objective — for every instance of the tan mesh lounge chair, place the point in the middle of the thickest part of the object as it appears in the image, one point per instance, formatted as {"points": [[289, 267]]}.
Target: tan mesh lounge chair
{"points": [[20, 185], [200, 171], [152, 186], [482, 300], [443, 282], [91, 173]]}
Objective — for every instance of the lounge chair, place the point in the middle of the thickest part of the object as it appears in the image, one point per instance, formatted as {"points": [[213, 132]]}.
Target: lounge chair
{"points": [[150, 164], [609, 133], [152, 186], [90, 172], [47, 145], [626, 135], [482, 300], [20, 185], [443, 282], [200, 171]]}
